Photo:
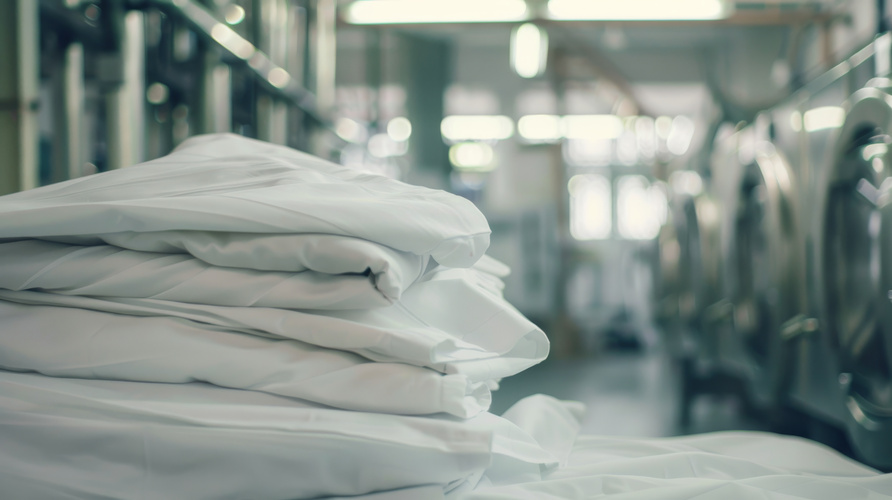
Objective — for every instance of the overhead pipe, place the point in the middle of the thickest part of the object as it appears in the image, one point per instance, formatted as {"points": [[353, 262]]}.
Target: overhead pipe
{"points": [[273, 78]]}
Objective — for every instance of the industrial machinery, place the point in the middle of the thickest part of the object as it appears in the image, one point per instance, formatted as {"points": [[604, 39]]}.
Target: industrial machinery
{"points": [[803, 318], [116, 82]]}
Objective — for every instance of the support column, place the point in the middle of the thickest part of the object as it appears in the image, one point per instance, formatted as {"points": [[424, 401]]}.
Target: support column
{"points": [[125, 104], [19, 95], [69, 142]]}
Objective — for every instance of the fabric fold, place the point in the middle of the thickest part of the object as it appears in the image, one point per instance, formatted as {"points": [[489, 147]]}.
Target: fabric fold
{"points": [[79, 343], [229, 183], [324, 273]]}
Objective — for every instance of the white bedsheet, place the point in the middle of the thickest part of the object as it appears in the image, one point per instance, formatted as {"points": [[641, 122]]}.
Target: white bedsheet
{"points": [[227, 183], [324, 272], [488, 340], [72, 438]]}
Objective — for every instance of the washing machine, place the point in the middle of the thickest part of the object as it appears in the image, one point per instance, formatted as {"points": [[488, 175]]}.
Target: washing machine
{"points": [[698, 219], [760, 244], [853, 273]]}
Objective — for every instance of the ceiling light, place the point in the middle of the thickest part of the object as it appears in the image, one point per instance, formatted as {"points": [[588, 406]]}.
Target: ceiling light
{"points": [[529, 50], [592, 127], [476, 128], [435, 11], [539, 128], [638, 10]]}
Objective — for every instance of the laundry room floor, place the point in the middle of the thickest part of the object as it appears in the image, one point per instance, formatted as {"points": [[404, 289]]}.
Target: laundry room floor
{"points": [[626, 393]]}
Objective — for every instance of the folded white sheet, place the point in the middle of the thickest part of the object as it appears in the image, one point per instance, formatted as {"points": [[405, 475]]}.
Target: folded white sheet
{"points": [[445, 322], [323, 272], [71, 438], [232, 184], [69, 342]]}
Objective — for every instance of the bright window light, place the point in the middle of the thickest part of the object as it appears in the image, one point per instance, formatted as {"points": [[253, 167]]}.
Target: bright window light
{"points": [[823, 118], [639, 208], [663, 126], [592, 127], [638, 10], [458, 128], [539, 128], [476, 156], [434, 11], [645, 134], [529, 50], [590, 207], [686, 182], [680, 135], [399, 129]]}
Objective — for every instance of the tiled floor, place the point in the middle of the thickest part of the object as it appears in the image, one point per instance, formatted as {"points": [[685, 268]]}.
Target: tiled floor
{"points": [[626, 393]]}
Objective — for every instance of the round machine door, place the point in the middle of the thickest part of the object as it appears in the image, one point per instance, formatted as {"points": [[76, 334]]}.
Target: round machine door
{"points": [[765, 268], [699, 269], [856, 269], [667, 271]]}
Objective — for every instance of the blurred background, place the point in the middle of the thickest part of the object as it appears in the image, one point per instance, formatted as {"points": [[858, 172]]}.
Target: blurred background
{"points": [[693, 195]]}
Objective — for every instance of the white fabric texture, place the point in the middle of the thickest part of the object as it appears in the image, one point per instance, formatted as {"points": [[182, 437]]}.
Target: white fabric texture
{"points": [[70, 342], [327, 272], [241, 320], [196, 441], [719, 466], [489, 340], [232, 184]]}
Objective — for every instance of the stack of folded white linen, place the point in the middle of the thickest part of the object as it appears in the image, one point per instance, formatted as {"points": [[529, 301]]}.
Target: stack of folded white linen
{"points": [[241, 320]]}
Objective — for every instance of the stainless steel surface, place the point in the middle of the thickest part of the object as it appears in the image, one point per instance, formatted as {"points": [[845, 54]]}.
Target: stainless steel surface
{"points": [[853, 267], [69, 155], [272, 38], [126, 104], [19, 89], [699, 291], [765, 268]]}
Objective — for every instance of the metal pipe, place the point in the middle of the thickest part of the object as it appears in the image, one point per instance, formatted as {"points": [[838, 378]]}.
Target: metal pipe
{"points": [[273, 78], [19, 87], [272, 113], [69, 141], [126, 104], [216, 96]]}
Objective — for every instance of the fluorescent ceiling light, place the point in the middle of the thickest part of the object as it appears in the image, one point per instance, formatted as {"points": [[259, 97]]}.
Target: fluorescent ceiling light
{"points": [[435, 11], [458, 128], [638, 10], [592, 127], [540, 128], [529, 50]]}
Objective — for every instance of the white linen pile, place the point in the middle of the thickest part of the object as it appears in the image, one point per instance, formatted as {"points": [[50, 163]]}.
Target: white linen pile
{"points": [[241, 320], [238, 306]]}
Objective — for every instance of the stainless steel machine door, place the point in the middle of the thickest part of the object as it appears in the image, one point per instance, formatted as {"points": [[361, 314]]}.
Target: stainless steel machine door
{"points": [[764, 263], [855, 260]]}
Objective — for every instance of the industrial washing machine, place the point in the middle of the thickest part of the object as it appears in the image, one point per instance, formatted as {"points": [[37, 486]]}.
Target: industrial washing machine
{"points": [[760, 265], [853, 275]]}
